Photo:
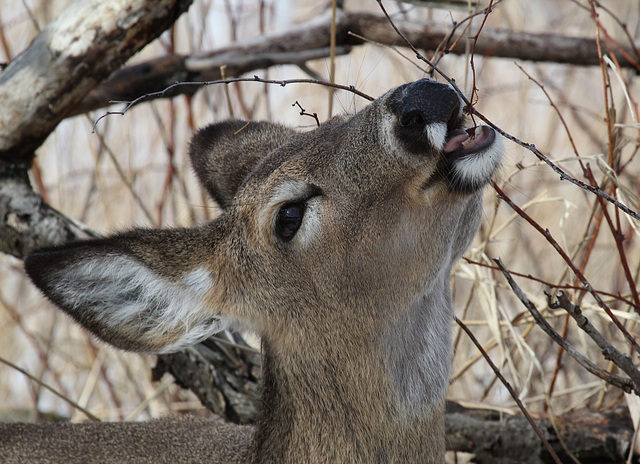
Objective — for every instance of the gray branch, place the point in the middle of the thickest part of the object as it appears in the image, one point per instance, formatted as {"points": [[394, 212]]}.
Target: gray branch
{"points": [[625, 384], [72, 54], [26, 221], [609, 352], [310, 40]]}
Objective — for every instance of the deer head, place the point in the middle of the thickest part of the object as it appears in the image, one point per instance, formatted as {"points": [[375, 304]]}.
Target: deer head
{"points": [[335, 245]]}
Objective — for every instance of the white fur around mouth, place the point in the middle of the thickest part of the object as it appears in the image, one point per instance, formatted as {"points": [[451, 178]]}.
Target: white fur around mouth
{"points": [[475, 157]]}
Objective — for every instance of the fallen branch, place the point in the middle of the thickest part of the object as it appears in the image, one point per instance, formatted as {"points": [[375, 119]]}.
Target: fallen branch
{"points": [[492, 436], [310, 40]]}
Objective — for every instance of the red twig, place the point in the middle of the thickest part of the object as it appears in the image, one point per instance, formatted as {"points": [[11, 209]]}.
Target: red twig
{"points": [[509, 388], [587, 286], [474, 89], [553, 285]]}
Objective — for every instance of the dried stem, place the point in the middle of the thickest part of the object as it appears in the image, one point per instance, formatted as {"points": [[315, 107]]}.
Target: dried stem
{"points": [[625, 384], [509, 388], [51, 389], [587, 286], [610, 353]]}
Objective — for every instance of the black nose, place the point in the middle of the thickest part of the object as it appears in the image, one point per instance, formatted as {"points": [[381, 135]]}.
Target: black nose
{"points": [[426, 102]]}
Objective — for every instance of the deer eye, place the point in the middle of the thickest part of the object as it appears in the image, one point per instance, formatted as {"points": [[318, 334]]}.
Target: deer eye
{"points": [[289, 220]]}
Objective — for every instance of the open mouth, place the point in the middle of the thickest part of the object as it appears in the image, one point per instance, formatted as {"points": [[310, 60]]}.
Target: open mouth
{"points": [[464, 142]]}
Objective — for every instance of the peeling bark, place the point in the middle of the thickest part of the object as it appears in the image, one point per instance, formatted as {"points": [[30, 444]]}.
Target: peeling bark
{"points": [[72, 54], [26, 221]]}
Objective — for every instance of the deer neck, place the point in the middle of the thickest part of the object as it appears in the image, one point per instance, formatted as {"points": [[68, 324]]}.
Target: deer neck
{"points": [[354, 397]]}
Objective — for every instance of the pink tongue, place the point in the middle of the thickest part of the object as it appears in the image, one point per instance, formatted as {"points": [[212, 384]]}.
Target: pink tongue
{"points": [[455, 142]]}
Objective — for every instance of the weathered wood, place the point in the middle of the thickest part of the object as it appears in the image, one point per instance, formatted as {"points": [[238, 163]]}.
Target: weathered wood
{"points": [[88, 41], [495, 43], [603, 437], [308, 41], [225, 379], [26, 221]]}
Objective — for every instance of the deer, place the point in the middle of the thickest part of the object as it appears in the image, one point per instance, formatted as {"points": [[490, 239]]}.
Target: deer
{"points": [[335, 245]]}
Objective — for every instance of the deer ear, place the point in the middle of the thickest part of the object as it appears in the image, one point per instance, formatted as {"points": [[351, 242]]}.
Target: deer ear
{"points": [[144, 290], [223, 154]]}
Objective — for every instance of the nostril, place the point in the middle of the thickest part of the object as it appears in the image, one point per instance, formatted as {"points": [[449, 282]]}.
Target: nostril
{"points": [[426, 102], [412, 118]]}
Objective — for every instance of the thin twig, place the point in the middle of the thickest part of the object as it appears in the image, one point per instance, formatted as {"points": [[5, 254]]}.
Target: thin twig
{"points": [[51, 389], [614, 296], [625, 384], [332, 55], [121, 173], [303, 112], [474, 89], [510, 389], [280, 82], [446, 42]]}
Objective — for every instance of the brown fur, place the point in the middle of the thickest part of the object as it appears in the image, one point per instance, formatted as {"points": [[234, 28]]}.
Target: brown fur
{"points": [[353, 307]]}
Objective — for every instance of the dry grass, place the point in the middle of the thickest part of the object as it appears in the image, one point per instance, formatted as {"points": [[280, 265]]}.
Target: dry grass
{"points": [[134, 172]]}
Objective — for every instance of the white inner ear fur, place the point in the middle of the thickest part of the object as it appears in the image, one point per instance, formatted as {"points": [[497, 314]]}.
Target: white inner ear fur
{"points": [[119, 290]]}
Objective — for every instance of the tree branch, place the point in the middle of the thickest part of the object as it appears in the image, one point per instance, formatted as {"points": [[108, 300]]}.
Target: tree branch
{"points": [[72, 54], [625, 384], [492, 436], [310, 40], [624, 362], [26, 221]]}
